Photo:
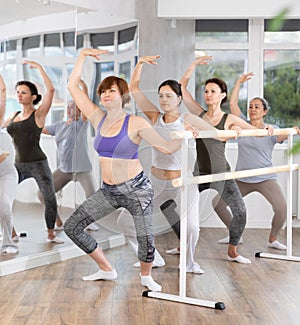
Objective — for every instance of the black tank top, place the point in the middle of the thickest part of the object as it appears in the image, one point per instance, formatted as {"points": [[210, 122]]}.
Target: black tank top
{"points": [[211, 153], [26, 138]]}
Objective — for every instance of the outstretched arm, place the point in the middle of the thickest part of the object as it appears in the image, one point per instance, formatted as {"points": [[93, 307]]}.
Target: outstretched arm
{"points": [[148, 108], [86, 106], [145, 131], [234, 98], [188, 99]]}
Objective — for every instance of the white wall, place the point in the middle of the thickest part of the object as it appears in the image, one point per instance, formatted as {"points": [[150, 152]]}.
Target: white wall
{"points": [[230, 9]]}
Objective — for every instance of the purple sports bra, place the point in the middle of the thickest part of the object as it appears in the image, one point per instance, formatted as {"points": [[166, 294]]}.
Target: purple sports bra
{"points": [[118, 146]]}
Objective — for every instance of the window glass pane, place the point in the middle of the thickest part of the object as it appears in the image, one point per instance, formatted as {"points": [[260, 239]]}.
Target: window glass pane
{"points": [[282, 86], [52, 44], [79, 44], [126, 39], [9, 75], [2, 51], [104, 41], [222, 37], [11, 47], [224, 31], [227, 65], [69, 44], [124, 71], [282, 37], [31, 46], [102, 70]]}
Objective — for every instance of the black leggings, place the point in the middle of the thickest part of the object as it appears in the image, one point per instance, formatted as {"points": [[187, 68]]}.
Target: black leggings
{"points": [[41, 172]]}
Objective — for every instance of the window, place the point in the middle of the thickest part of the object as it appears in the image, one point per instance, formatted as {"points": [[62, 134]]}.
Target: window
{"points": [[103, 41], [47, 47], [11, 49], [31, 46], [52, 44], [124, 71], [226, 41], [282, 73], [126, 39], [273, 56]]}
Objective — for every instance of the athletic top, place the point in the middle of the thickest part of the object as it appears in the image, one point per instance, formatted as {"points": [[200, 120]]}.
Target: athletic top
{"points": [[26, 138], [255, 152], [118, 146], [72, 146], [211, 153], [172, 161]]}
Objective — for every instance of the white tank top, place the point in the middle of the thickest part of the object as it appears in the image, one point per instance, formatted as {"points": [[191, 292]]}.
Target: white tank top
{"points": [[172, 161]]}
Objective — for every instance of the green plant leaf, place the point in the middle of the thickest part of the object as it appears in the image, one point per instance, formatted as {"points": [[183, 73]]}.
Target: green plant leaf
{"points": [[278, 21]]}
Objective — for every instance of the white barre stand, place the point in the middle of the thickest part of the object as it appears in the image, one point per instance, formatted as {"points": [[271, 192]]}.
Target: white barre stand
{"points": [[184, 181], [183, 236]]}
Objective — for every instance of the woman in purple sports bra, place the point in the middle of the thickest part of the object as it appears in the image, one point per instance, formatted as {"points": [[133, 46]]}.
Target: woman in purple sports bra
{"points": [[118, 136]]}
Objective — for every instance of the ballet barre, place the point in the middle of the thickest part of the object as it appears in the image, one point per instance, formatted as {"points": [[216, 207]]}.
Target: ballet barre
{"points": [[184, 181]]}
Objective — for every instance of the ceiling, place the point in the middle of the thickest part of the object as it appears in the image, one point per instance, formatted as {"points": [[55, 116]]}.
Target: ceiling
{"points": [[14, 10]]}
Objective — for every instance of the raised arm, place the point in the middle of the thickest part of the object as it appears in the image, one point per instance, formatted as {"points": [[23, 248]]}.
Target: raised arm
{"points": [[45, 106], [85, 89], [188, 99], [148, 108], [234, 98], [2, 100], [86, 106]]}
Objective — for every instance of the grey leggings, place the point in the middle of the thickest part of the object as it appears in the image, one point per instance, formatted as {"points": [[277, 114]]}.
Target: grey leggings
{"points": [[41, 172], [135, 195], [272, 191], [230, 193]]}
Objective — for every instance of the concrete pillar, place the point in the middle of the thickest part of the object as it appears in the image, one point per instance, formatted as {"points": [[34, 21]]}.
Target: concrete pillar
{"points": [[157, 36]]}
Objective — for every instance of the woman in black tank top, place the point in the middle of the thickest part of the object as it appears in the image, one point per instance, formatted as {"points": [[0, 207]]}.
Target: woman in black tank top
{"points": [[25, 128], [211, 153]]}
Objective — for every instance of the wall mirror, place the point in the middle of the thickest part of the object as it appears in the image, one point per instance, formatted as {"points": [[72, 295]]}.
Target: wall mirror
{"points": [[52, 33]]}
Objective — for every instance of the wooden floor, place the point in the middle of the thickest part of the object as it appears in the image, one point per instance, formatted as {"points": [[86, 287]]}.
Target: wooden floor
{"points": [[265, 292]]}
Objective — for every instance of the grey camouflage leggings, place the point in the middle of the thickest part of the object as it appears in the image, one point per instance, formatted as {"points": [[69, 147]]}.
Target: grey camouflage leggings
{"points": [[134, 195], [230, 193]]}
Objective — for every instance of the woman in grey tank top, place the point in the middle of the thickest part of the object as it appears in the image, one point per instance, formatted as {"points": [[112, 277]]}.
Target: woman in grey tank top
{"points": [[255, 152]]}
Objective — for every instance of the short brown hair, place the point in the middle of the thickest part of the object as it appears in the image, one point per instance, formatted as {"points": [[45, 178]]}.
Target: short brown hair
{"points": [[107, 82]]}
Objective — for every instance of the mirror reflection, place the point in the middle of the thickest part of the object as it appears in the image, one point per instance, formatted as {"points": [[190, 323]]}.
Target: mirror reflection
{"points": [[55, 49]]}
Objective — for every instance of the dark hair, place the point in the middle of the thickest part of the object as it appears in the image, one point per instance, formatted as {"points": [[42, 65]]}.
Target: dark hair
{"points": [[222, 84], [264, 103], [106, 84], [173, 84], [33, 90]]}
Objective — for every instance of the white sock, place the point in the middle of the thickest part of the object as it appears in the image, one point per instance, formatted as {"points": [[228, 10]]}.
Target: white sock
{"points": [[147, 281], [239, 259], [277, 245], [101, 275]]}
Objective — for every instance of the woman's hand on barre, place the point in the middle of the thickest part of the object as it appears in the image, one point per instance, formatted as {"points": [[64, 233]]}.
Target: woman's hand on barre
{"points": [[270, 129]]}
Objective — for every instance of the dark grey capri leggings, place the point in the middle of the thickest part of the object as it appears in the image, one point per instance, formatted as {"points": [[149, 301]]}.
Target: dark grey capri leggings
{"points": [[230, 193], [41, 172], [135, 195]]}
